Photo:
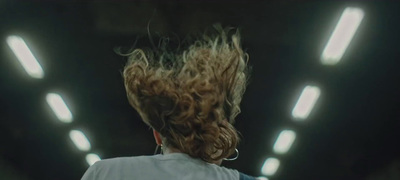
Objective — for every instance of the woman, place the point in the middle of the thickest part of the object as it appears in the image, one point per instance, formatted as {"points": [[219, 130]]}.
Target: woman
{"points": [[190, 99]]}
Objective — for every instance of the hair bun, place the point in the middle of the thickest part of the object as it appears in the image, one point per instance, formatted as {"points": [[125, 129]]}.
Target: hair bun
{"points": [[189, 100]]}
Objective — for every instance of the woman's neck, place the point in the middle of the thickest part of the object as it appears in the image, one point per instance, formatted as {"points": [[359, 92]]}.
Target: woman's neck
{"points": [[169, 150]]}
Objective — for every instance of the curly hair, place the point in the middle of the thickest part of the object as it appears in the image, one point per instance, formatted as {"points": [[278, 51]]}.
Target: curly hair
{"points": [[191, 97]]}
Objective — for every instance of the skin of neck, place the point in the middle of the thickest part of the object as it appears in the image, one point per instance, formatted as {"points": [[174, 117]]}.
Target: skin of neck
{"points": [[170, 150]]}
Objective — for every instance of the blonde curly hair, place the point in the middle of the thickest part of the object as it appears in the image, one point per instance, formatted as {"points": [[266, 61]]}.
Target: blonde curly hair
{"points": [[191, 97]]}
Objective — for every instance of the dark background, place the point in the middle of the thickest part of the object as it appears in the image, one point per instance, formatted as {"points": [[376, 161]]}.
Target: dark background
{"points": [[352, 133]]}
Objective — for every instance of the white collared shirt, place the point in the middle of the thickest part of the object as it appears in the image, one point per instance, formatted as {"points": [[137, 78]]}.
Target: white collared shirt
{"points": [[174, 166]]}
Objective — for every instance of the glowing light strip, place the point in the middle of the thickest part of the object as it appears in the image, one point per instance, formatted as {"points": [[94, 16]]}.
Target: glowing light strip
{"points": [[80, 140], [284, 141], [342, 35], [59, 107], [25, 56], [270, 166], [92, 158], [306, 102]]}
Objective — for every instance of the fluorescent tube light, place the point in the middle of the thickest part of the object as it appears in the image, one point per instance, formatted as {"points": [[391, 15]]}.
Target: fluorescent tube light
{"points": [[270, 166], [59, 107], [284, 141], [261, 178], [342, 35], [306, 102], [25, 56], [80, 140], [92, 158]]}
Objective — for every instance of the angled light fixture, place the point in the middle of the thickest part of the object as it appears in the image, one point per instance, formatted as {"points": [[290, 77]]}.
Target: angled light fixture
{"points": [[342, 35], [306, 102], [59, 107], [25, 56], [270, 166], [262, 178], [284, 141], [91, 158], [80, 140]]}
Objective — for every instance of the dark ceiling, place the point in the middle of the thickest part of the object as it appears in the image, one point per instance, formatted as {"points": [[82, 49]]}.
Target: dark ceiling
{"points": [[352, 133]]}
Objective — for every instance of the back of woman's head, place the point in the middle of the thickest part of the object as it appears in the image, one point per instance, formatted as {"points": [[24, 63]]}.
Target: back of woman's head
{"points": [[191, 97]]}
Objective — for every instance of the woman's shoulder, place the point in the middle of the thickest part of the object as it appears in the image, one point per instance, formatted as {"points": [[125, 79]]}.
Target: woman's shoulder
{"points": [[123, 160], [111, 168], [175, 164]]}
